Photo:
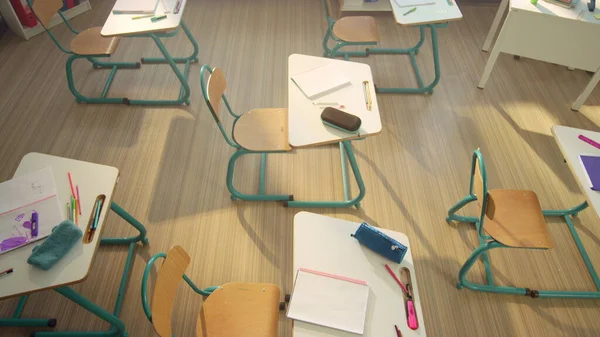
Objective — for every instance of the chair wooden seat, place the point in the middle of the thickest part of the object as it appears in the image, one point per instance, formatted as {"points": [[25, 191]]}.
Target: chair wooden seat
{"points": [[514, 218], [240, 309], [263, 130], [91, 42], [356, 29]]}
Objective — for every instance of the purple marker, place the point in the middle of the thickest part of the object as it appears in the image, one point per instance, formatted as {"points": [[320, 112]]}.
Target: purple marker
{"points": [[34, 224]]}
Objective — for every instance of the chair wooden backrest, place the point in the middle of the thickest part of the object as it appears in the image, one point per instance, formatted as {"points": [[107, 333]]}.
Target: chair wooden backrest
{"points": [[45, 9], [216, 86], [165, 289]]}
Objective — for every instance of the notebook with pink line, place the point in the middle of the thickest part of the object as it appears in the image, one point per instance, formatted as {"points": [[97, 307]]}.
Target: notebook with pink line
{"points": [[330, 300]]}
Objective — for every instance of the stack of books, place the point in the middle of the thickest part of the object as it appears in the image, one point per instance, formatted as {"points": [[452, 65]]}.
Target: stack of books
{"points": [[564, 3]]}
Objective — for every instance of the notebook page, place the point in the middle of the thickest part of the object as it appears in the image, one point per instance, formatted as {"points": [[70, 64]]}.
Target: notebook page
{"points": [[329, 300]]}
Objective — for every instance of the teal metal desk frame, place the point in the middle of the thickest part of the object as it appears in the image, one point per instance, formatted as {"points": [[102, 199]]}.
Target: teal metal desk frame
{"points": [[117, 327], [411, 52]]}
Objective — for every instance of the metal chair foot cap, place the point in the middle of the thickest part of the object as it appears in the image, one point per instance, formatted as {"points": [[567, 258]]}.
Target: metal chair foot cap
{"points": [[459, 285], [281, 306], [145, 241], [138, 65], [357, 205], [142, 60], [51, 323], [287, 298], [126, 101], [291, 197], [285, 204], [233, 198]]}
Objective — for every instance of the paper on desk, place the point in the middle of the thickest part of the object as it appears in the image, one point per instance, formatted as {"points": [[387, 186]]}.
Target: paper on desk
{"points": [[21, 196], [411, 3], [329, 300], [321, 80], [135, 6]]}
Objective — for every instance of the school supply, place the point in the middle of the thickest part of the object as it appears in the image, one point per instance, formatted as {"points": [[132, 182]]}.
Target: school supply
{"points": [[59, 243], [340, 120], [34, 224], [321, 80], [6, 272], [135, 6], [158, 18], [389, 269], [330, 300], [589, 141], [142, 16], [380, 243], [78, 199], [398, 333], [177, 7], [412, 3], [591, 165], [19, 198], [564, 3], [411, 313]]}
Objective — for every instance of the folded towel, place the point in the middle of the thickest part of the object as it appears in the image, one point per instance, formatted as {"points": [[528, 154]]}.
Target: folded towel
{"points": [[56, 246]]}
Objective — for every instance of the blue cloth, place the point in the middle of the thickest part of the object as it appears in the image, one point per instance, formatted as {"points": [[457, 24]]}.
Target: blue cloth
{"points": [[57, 245]]}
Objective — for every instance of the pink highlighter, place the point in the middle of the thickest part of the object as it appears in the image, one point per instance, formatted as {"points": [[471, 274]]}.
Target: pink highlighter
{"points": [[411, 313]]}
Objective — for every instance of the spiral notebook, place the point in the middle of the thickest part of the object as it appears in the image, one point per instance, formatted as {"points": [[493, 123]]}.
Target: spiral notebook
{"points": [[330, 300]]}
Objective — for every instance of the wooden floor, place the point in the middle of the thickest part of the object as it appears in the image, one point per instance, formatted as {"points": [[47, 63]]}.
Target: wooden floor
{"points": [[173, 164]]}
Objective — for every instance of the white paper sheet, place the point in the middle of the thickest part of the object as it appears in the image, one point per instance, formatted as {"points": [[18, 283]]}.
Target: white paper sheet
{"points": [[20, 197], [320, 81], [329, 300], [135, 6]]}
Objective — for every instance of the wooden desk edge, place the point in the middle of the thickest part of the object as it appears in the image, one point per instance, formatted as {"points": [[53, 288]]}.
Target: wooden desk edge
{"points": [[335, 140], [429, 22]]}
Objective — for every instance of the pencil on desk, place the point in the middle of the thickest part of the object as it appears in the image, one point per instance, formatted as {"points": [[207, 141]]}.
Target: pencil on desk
{"points": [[367, 93], [142, 16], [78, 198], [410, 11]]}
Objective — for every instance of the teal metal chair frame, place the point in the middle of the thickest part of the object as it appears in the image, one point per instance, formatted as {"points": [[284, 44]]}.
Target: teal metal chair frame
{"points": [[411, 52], [288, 200], [184, 92], [117, 327], [487, 243], [148, 269]]}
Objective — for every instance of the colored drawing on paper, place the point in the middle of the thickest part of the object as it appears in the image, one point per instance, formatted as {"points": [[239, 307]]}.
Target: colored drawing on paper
{"points": [[18, 238]]}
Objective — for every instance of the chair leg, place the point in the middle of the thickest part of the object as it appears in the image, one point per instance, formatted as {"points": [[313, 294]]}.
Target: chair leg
{"points": [[462, 203], [78, 96], [235, 194], [462, 275]]}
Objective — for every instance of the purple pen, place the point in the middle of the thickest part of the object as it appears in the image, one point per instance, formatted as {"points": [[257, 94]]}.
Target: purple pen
{"points": [[34, 224]]}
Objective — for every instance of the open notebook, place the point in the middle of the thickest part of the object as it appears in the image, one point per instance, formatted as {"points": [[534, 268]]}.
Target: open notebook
{"points": [[329, 300], [19, 198], [320, 81]]}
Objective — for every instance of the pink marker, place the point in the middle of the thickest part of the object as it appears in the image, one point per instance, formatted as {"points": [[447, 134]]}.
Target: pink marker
{"points": [[412, 321], [589, 141]]}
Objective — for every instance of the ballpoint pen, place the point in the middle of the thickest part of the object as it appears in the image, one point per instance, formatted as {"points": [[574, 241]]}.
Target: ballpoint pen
{"points": [[410, 11]]}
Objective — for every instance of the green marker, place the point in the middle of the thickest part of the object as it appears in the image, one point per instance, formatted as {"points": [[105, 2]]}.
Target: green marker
{"points": [[156, 18], [410, 11]]}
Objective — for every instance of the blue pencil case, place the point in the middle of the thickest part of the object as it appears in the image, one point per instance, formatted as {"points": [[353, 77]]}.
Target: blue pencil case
{"points": [[380, 243], [57, 245]]}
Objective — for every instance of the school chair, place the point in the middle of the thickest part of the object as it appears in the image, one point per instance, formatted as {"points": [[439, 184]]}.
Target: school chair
{"points": [[512, 219], [258, 131], [88, 45], [233, 309], [348, 31]]}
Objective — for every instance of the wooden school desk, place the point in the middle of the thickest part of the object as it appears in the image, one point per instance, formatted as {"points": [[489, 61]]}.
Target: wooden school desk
{"points": [[125, 25], [571, 147], [432, 16], [306, 128], [547, 32], [324, 243], [93, 180]]}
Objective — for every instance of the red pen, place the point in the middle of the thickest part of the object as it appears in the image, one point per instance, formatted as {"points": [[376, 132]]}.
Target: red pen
{"points": [[396, 278], [398, 333], [6, 272], [589, 141]]}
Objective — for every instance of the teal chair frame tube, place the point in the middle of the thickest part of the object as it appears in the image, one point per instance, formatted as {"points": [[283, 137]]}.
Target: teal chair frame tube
{"points": [[288, 199], [346, 153], [487, 243], [144, 292], [411, 52], [117, 327]]}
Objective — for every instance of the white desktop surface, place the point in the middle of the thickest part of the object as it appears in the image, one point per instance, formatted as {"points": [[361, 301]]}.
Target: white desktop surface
{"points": [[324, 243], [439, 12], [305, 125], [123, 24], [93, 180], [543, 7], [571, 147]]}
